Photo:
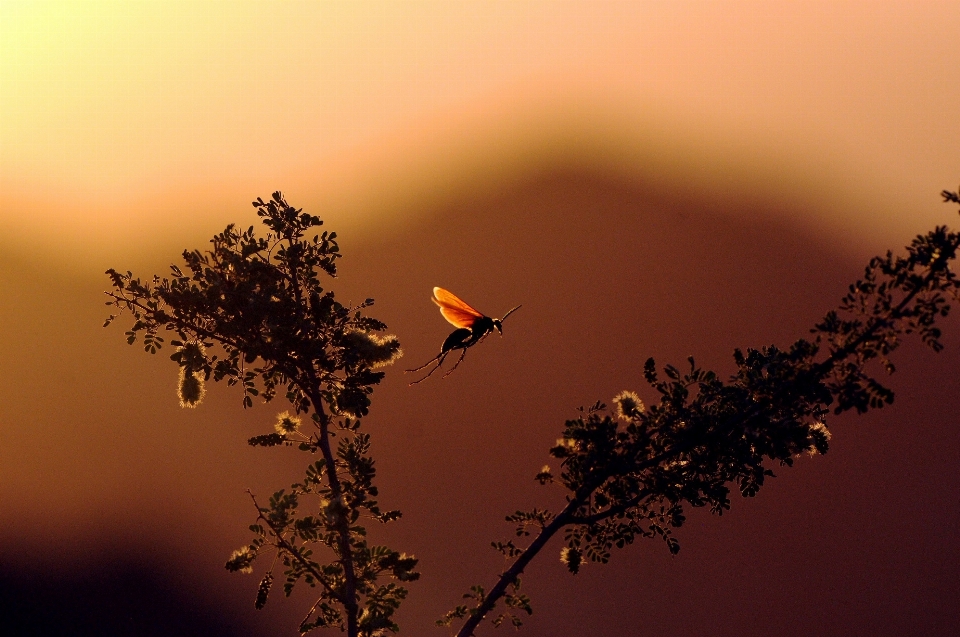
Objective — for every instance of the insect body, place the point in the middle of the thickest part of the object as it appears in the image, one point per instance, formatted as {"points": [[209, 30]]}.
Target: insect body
{"points": [[472, 327]]}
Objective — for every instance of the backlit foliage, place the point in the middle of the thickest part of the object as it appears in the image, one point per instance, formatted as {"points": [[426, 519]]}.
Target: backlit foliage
{"points": [[630, 473], [252, 311]]}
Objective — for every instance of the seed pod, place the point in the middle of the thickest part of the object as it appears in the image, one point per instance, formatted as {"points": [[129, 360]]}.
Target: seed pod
{"points": [[263, 591]]}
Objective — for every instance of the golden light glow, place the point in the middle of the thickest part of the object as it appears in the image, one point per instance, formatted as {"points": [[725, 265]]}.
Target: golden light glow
{"points": [[121, 123], [621, 169]]}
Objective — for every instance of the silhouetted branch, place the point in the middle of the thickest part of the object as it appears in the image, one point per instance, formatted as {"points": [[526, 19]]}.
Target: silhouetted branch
{"points": [[631, 473]]}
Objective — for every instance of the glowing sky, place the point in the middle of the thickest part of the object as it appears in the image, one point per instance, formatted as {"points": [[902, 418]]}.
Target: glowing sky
{"points": [[615, 167], [121, 120]]}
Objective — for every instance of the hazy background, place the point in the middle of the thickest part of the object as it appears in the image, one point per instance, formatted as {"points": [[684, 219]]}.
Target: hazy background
{"points": [[646, 178]]}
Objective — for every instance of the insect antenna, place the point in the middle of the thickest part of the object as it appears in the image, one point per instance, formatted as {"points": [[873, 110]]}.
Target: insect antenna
{"points": [[510, 312]]}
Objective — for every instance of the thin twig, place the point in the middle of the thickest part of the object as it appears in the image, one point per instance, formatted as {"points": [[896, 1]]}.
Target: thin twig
{"points": [[294, 551]]}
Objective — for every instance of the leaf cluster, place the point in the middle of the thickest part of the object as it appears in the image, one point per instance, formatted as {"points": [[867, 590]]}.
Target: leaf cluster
{"points": [[631, 472], [253, 311], [513, 600]]}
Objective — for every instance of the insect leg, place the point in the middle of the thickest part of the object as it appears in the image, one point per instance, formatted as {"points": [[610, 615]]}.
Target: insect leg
{"points": [[457, 364], [439, 358], [429, 362]]}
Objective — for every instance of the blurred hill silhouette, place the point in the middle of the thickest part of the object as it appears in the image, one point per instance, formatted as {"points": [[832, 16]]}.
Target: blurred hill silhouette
{"points": [[609, 272]]}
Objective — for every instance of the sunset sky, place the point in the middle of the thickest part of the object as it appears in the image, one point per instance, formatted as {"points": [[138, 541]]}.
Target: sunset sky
{"points": [[647, 178]]}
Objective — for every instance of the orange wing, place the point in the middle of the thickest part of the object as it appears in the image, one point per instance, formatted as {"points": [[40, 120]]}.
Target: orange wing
{"points": [[457, 313]]}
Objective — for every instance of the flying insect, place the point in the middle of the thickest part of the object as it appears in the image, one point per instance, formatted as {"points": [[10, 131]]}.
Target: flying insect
{"points": [[472, 328]]}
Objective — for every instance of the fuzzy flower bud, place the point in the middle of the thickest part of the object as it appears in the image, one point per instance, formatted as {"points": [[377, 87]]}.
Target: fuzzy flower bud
{"points": [[190, 388], [545, 475], [263, 591], [566, 446], [286, 424], [242, 560], [572, 559], [819, 439], [629, 405], [190, 383], [376, 351]]}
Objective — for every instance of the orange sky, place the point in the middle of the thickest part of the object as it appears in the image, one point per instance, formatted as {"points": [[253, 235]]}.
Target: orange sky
{"points": [[121, 121], [647, 178]]}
